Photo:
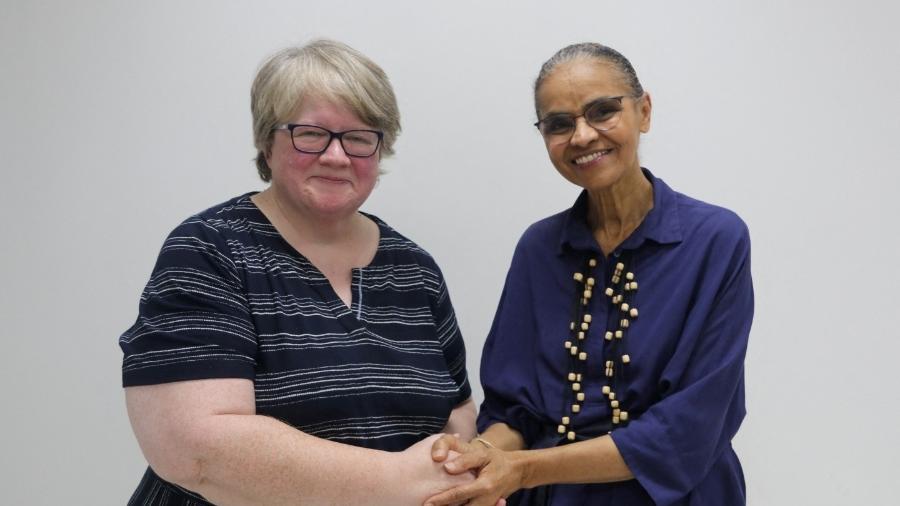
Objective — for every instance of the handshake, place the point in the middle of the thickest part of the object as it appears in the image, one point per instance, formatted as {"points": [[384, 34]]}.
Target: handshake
{"points": [[445, 470]]}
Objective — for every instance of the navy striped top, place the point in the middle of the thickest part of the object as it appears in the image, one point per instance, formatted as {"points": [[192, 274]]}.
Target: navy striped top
{"points": [[230, 298]]}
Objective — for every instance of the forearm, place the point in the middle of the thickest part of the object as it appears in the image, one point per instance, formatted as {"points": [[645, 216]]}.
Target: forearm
{"points": [[503, 437], [251, 459], [462, 420], [593, 461]]}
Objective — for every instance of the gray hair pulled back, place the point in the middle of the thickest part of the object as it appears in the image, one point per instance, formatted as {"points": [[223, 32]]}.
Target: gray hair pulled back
{"points": [[594, 51]]}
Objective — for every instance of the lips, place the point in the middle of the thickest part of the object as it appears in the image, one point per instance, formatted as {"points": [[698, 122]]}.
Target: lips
{"points": [[329, 179], [591, 157]]}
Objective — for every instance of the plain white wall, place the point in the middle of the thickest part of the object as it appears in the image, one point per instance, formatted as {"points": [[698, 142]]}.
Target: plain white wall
{"points": [[120, 119]]}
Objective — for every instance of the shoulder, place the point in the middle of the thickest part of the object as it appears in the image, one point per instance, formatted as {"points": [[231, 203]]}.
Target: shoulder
{"points": [[543, 233], [400, 247], [207, 238], [233, 216], [710, 223]]}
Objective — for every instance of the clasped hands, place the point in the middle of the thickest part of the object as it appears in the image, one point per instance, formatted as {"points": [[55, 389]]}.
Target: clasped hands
{"points": [[497, 474]]}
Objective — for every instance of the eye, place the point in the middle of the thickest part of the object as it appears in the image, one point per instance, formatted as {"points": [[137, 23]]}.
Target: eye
{"points": [[309, 133], [361, 137], [557, 124], [603, 110]]}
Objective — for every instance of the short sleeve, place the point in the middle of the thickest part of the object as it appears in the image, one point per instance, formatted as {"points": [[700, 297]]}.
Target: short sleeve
{"points": [[448, 333], [193, 320]]}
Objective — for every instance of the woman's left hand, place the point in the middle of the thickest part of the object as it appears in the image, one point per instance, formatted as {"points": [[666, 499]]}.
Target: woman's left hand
{"points": [[499, 474]]}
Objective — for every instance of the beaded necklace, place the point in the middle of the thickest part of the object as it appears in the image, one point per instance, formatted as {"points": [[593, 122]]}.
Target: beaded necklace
{"points": [[620, 293]]}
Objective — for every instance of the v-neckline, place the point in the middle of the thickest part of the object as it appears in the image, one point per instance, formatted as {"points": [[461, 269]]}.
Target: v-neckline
{"points": [[350, 315]]}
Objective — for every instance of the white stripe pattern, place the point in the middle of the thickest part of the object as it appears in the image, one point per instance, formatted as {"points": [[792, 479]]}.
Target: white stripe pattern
{"points": [[229, 298]]}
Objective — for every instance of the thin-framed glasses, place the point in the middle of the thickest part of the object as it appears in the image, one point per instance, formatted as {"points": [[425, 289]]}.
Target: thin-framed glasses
{"points": [[314, 139], [602, 114]]}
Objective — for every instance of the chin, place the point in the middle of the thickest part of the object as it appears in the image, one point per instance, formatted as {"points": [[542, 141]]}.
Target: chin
{"points": [[335, 206]]}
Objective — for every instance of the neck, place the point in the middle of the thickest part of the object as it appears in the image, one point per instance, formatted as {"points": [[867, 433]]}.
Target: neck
{"points": [[306, 226], [614, 212]]}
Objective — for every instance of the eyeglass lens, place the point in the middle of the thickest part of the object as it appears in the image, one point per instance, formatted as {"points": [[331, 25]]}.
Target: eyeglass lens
{"points": [[601, 114], [313, 139]]}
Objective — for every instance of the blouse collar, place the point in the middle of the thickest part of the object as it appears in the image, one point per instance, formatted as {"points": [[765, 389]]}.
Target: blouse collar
{"points": [[661, 225]]}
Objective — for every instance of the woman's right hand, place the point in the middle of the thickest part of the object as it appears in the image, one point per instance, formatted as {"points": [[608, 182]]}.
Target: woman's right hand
{"points": [[418, 477]]}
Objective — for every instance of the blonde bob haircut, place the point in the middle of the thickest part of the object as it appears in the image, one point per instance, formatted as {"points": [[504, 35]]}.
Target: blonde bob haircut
{"points": [[324, 69]]}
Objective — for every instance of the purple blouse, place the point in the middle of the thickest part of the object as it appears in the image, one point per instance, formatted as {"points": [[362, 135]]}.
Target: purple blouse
{"points": [[682, 382]]}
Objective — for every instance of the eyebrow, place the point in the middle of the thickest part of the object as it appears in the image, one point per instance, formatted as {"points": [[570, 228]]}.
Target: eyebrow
{"points": [[607, 98]]}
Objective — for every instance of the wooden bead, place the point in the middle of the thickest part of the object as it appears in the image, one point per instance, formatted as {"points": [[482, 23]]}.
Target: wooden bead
{"points": [[576, 386], [568, 344], [624, 323], [609, 363], [615, 419], [606, 390], [576, 408], [612, 396], [578, 377], [585, 326], [609, 291], [624, 306], [609, 335], [587, 318], [570, 436], [629, 276], [619, 334], [609, 373], [580, 396], [626, 359], [565, 420], [571, 325], [580, 336], [616, 279], [592, 262], [616, 413], [573, 350], [623, 415], [633, 312], [571, 376], [584, 301], [634, 285], [614, 404], [620, 266], [578, 277], [561, 429], [588, 294], [582, 356], [591, 282]]}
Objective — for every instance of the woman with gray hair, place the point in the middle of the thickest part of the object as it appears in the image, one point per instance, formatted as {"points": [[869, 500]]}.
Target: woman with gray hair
{"points": [[613, 373], [290, 348]]}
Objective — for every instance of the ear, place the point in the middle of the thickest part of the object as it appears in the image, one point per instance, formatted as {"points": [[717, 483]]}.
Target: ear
{"points": [[267, 154], [644, 109]]}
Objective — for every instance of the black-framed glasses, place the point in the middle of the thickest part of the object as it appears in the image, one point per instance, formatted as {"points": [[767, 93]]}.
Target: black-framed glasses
{"points": [[602, 114], [314, 139]]}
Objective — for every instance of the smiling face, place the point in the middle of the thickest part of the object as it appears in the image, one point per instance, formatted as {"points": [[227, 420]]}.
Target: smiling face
{"points": [[329, 184], [593, 159]]}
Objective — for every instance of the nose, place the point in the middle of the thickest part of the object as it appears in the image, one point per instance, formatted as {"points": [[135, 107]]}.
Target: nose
{"points": [[584, 133], [334, 153]]}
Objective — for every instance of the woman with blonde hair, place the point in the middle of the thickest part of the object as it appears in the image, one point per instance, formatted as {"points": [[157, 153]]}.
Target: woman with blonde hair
{"points": [[289, 348]]}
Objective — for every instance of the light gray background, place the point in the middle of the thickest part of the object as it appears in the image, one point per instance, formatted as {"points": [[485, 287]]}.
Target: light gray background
{"points": [[120, 119]]}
